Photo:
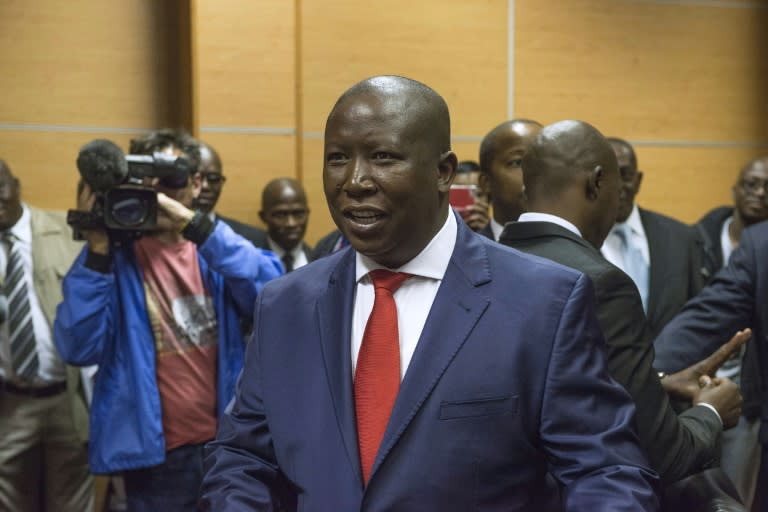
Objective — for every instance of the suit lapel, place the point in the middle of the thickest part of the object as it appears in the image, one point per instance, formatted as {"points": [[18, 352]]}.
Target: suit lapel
{"points": [[335, 320], [656, 240], [457, 307]]}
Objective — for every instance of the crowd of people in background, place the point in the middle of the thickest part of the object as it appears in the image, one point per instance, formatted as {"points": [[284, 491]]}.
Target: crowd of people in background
{"points": [[547, 345]]}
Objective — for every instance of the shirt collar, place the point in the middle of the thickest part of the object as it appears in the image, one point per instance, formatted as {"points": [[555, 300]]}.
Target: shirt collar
{"points": [[496, 228], [431, 262], [22, 230], [633, 222], [280, 252], [547, 217]]}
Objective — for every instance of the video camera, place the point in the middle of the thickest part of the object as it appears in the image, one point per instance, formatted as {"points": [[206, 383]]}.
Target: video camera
{"points": [[124, 206]]}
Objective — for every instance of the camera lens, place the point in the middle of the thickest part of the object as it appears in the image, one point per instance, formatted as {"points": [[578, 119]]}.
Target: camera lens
{"points": [[130, 212]]}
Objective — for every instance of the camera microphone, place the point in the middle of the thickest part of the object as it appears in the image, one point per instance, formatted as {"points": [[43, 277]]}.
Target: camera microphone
{"points": [[3, 309], [102, 164]]}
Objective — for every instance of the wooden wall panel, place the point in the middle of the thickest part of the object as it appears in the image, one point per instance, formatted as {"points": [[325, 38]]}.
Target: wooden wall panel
{"points": [[250, 162], [245, 64], [320, 222], [45, 164], [466, 150], [685, 183], [87, 63], [456, 47], [648, 70]]}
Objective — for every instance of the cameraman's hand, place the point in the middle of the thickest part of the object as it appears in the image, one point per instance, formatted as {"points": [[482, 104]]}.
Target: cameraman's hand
{"points": [[171, 214], [723, 395], [98, 240]]}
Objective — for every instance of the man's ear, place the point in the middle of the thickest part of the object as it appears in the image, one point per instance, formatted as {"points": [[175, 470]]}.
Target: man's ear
{"points": [[639, 180], [484, 182], [446, 170], [263, 216], [594, 182]]}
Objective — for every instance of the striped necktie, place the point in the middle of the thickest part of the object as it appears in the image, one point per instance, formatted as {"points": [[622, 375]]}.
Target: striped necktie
{"points": [[21, 335]]}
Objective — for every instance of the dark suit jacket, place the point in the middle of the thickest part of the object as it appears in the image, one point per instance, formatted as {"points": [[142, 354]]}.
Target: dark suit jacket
{"points": [[258, 236], [709, 229], [326, 245], [735, 298], [675, 267], [247, 231], [676, 446], [502, 387], [487, 232]]}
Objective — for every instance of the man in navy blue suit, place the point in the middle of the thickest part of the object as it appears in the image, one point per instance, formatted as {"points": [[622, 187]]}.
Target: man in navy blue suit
{"points": [[497, 377]]}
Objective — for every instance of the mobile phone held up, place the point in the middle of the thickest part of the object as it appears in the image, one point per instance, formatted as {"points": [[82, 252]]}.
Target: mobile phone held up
{"points": [[462, 197]]}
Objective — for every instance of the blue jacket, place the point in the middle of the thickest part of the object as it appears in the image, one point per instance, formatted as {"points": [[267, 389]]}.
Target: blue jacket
{"points": [[103, 320]]}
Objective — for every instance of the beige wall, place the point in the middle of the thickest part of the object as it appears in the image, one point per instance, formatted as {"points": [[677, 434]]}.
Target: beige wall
{"points": [[684, 81]]}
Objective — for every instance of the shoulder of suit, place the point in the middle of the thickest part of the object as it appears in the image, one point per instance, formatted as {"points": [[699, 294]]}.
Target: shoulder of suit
{"points": [[44, 221], [655, 219]]}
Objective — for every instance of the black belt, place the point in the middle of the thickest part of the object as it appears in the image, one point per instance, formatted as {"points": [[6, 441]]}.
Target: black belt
{"points": [[36, 392]]}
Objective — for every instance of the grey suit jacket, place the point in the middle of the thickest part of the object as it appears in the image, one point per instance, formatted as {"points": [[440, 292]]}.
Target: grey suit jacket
{"points": [[676, 445], [53, 251]]}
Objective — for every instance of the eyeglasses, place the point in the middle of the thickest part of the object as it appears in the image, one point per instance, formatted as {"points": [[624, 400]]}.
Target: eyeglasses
{"points": [[752, 185], [213, 178]]}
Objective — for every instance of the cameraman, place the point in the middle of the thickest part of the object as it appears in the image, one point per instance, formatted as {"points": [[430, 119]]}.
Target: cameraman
{"points": [[161, 317]]}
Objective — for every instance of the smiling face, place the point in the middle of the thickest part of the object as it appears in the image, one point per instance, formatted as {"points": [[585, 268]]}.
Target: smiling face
{"points": [[385, 179], [212, 179], [750, 193], [285, 213], [10, 198]]}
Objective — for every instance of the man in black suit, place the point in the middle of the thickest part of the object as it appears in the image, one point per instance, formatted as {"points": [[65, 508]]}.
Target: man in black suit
{"points": [[572, 186], [285, 212], [659, 253], [501, 178], [735, 296], [213, 182], [720, 231]]}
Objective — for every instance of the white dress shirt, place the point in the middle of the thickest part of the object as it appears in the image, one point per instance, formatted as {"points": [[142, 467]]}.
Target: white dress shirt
{"points": [[299, 258], [414, 298], [546, 217], [725, 240], [51, 367], [496, 229], [612, 249]]}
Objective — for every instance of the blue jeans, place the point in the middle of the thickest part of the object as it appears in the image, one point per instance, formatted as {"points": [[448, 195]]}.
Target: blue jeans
{"points": [[170, 487]]}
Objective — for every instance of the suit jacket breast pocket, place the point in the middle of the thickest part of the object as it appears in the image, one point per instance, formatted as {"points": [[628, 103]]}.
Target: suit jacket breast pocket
{"points": [[487, 406]]}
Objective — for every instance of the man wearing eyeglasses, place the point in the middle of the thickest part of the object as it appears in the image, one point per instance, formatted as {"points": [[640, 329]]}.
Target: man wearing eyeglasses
{"points": [[162, 318], [720, 231], [285, 212], [212, 182]]}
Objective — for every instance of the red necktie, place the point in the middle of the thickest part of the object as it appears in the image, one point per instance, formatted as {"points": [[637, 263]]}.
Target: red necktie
{"points": [[377, 377]]}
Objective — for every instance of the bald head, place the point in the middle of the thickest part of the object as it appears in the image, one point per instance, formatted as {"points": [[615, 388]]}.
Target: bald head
{"points": [[419, 106], [281, 190], [570, 171], [498, 138]]}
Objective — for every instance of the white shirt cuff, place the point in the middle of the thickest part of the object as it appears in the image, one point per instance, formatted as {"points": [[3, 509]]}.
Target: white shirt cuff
{"points": [[712, 408]]}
